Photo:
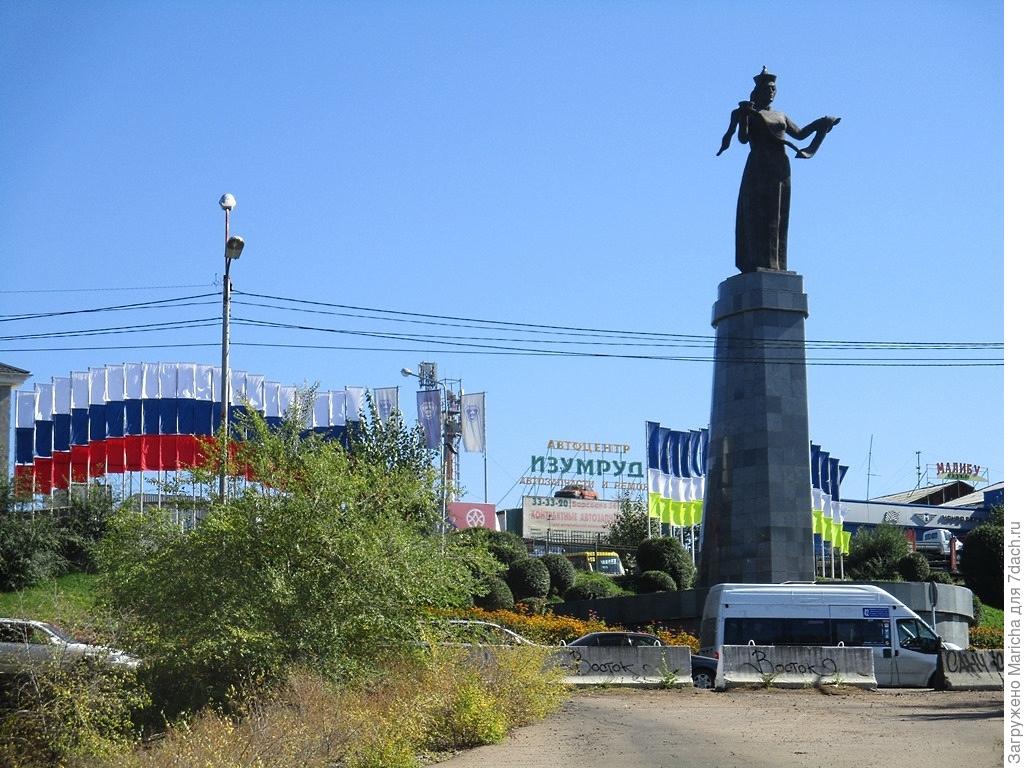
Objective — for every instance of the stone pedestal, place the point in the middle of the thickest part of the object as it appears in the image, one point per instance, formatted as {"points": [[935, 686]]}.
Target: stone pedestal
{"points": [[757, 507]]}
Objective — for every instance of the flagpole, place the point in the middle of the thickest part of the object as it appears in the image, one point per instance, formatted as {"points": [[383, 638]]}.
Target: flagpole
{"points": [[484, 433]]}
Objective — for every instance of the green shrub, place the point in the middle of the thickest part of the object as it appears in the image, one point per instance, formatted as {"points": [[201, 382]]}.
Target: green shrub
{"points": [[876, 552], [528, 577], [655, 581], [563, 575], [475, 718], [534, 606], [68, 714], [28, 550], [591, 586], [981, 563], [498, 596], [913, 567], [504, 546], [940, 577], [666, 554]]}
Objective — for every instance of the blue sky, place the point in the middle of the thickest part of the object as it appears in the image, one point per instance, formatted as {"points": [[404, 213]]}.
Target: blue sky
{"points": [[542, 163]]}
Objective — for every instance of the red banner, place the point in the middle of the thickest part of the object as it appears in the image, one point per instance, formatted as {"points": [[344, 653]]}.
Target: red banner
{"points": [[464, 514]]}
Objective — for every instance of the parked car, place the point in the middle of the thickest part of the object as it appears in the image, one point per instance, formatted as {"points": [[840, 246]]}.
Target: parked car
{"points": [[27, 645], [703, 670], [471, 632], [617, 639]]}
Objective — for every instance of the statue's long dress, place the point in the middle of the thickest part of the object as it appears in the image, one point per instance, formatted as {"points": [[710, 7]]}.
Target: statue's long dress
{"points": [[762, 211]]}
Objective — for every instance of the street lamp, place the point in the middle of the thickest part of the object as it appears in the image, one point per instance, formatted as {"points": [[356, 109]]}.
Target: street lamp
{"points": [[232, 250]]}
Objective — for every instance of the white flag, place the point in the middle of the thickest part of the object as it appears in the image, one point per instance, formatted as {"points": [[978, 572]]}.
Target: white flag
{"points": [[354, 402], [473, 432], [386, 400]]}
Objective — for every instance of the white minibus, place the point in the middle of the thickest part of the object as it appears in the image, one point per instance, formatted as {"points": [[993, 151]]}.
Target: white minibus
{"points": [[905, 648]]}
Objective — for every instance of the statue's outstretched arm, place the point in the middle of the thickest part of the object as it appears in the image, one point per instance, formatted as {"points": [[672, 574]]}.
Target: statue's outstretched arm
{"points": [[818, 127]]}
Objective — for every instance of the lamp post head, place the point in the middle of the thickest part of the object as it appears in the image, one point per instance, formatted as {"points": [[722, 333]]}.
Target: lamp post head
{"points": [[233, 247], [407, 372], [227, 201]]}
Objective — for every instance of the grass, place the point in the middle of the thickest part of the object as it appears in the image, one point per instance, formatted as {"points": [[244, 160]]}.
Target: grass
{"points": [[66, 599], [990, 617]]}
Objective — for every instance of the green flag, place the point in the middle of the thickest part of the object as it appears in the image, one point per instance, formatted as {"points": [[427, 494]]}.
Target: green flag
{"points": [[677, 512], [819, 522]]}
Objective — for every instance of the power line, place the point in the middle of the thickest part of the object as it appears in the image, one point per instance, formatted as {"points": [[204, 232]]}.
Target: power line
{"points": [[114, 308]]}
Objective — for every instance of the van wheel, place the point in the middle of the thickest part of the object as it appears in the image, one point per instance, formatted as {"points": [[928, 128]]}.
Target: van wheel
{"points": [[704, 679]]}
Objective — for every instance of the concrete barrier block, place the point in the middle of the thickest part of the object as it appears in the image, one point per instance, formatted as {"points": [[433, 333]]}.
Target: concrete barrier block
{"points": [[973, 670], [796, 666], [648, 666]]}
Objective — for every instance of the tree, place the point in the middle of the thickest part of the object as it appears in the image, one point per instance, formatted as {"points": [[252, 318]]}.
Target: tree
{"points": [[529, 577], [665, 553], [563, 575], [981, 563], [875, 553], [328, 560], [630, 526]]}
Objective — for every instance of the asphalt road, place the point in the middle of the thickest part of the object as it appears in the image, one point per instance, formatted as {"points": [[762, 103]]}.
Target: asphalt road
{"points": [[757, 729]]}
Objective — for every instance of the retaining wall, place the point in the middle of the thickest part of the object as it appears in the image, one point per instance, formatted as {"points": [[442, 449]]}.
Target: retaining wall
{"points": [[647, 666], [796, 666], [973, 670]]}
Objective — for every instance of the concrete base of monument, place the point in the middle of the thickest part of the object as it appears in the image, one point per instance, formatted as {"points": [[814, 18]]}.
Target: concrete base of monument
{"points": [[757, 504]]}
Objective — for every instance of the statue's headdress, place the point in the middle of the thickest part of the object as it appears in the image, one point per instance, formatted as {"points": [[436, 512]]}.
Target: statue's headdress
{"points": [[764, 77]]}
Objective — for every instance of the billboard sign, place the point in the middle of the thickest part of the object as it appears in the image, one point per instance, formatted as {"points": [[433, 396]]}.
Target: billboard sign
{"points": [[547, 515]]}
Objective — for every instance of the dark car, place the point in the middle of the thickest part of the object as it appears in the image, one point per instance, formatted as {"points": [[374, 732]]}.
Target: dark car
{"points": [[703, 670], [617, 639]]}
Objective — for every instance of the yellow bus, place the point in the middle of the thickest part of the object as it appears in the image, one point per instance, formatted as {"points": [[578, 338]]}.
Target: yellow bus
{"points": [[607, 563]]}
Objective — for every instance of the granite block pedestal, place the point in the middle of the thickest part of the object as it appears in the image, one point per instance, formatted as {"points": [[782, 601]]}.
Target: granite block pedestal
{"points": [[757, 507]]}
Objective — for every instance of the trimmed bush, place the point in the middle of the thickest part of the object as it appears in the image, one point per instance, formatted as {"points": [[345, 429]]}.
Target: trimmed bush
{"points": [[666, 554], [591, 588], [534, 606], [940, 577], [655, 581], [981, 563], [498, 596], [528, 577], [563, 575], [913, 567]]}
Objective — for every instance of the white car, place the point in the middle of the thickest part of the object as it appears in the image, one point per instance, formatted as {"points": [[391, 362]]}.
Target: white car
{"points": [[27, 645], [471, 632]]}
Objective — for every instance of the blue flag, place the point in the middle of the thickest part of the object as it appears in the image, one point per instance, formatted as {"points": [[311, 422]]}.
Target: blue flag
{"points": [[428, 412]]}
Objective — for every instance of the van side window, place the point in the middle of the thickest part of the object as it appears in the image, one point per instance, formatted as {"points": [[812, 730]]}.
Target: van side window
{"points": [[861, 632], [740, 631]]}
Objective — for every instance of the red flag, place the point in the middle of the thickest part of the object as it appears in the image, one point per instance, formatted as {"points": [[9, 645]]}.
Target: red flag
{"points": [[115, 454], [464, 514], [151, 452], [23, 479], [61, 468], [133, 453], [169, 452], [97, 458], [43, 471], [79, 463], [188, 450]]}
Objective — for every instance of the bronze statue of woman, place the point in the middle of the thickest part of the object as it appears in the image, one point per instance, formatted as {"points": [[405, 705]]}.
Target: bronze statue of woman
{"points": [[762, 211]]}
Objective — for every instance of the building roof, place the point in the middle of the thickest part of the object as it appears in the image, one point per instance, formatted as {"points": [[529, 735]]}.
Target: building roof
{"points": [[12, 376], [944, 493], [973, 499]]}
